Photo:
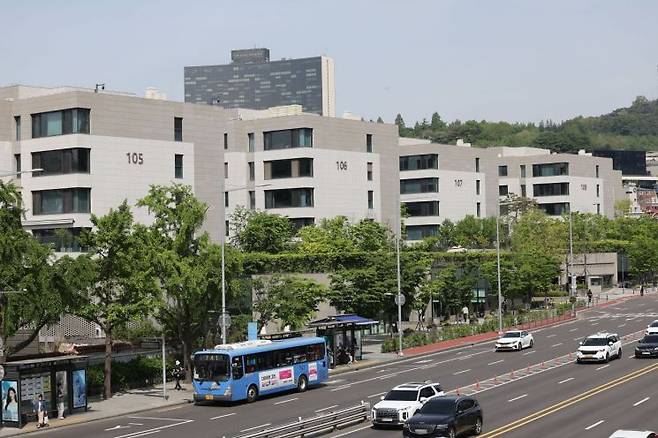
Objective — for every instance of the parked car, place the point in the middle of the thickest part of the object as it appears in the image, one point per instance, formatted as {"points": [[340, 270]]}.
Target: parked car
{"points": [[447, 416], [600, 347], [652, 329], [633, 434], [402, 402], [647, 346], [515, 340]]}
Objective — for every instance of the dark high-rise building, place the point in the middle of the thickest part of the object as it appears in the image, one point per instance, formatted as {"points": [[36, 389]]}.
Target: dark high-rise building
{"points": [[251, 80], [629, 162]]}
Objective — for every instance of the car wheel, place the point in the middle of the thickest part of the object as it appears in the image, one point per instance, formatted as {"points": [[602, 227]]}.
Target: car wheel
{"points": [[302, 383], [607, 358], [451, 432], [619, 354], [532, 343], [252, 394], [579, 361], [519, 346], [477, 429]]}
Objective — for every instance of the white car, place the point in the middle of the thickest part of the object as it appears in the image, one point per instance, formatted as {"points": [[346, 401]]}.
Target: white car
{"points": [[600, 347], [402, 402], [652, 329], [514, 340], [633, 434]]}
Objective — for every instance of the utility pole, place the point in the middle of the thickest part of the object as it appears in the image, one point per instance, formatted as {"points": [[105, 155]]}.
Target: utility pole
{"points": [[571, 272], [500, 294], [399, 295]]}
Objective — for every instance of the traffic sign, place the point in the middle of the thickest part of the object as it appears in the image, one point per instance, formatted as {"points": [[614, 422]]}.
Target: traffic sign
{"points": [[225, 320], [400, 300]]}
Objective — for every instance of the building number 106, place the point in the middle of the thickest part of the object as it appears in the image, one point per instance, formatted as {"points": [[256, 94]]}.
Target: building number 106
{"points": [[135, 158], [341, 165]]}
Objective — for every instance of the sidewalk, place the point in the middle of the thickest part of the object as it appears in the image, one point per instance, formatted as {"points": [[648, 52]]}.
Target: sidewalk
{"points": [[130, 402]]}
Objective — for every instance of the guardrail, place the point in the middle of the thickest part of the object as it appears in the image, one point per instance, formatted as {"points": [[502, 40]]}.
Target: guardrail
{"points": [[319, 424]]}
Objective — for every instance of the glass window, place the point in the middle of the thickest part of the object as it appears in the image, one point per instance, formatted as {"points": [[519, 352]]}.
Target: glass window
{"points": [[369, 171], [424, 208], [502, 170], [478, 212], [598, 208], [61, 161], [294, 168], [252, 199], [419, 232], [419, 185], [427, 392], [61, 239], [178, 129], [555, 209], [226, 140], [598, 190], [550, 169], [252, 142], [477, 164], [523, 190], [178, 166], [226, 228], [371, 197], [597, 170], [522, 167], [252, 171], [225, 199], [75, 200], [299, 222], [17, 122], [477, 186], [287, 198], [70, 121], [503, 190], [289, 138], [17, 162], [368, 142], [225, 170], [557, 189], [419, 162]]}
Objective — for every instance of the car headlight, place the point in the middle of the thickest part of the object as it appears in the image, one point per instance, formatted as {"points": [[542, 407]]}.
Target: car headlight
{"points": [[227, 391], [655, 348], [441, 426]]}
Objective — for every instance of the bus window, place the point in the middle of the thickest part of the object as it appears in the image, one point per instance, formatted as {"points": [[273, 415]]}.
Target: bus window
{"points": [[212, 367], [236, 368], [250, 365]]}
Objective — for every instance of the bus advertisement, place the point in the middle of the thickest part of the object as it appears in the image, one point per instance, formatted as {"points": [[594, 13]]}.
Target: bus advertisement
{"points": [[246, 370]]}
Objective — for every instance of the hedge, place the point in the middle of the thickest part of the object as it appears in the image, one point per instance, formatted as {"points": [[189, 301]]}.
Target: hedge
{"points": [[136, 373]]}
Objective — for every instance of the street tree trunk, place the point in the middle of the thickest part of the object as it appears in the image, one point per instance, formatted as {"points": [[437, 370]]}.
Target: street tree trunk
{"points": [[107, 381]]}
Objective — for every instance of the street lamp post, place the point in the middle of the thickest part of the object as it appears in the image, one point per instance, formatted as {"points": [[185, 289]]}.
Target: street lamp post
{"points": [[399, 295], [500, 295], [572, 275]]}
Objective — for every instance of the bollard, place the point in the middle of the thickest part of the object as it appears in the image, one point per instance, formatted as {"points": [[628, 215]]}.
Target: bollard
{"points": [[570, 358], [495, 380], [542, 364], [457, 391], [477, 386], [527, 371], [511, 375]]}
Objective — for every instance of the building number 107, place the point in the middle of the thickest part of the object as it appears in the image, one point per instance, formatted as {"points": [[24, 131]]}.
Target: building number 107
{"points": [[135, 158]]}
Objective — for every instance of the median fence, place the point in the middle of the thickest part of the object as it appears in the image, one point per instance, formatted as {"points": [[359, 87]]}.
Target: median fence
{"points": [[318, 425]]}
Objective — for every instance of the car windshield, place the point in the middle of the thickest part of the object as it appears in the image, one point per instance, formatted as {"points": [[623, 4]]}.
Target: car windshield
{"points": [[439, 406], [401, 395], [650, 340], [512, 335], [211, 367], [654, 324], [595, 342]]}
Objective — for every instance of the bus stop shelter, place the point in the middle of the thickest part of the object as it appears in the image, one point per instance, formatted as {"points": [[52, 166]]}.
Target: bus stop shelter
{"points": [[343, 334], [25, 380]]}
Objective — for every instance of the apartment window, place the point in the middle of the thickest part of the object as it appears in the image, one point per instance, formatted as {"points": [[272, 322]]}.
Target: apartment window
{"points": [[369, 171], [17, 122], [477, 186], [502, 170], [598, 208], [419, 162], [61, 161], [178, 166], [557, 189], [478, 211], [597, 170], [226, 228], [288, 198], [252, 171], [17, 161], [252, 199], [252, 142], [226, 140], [503, 190], [225, 170], [368, 142], [69, 121], [425, 208], [522, 169], [178, 129], [523, 191], [294, 168], [598, 190], [419, 185], [74, 200], [60, 239], [371, 199], [299, 222], [555, 209], [550, 169], [477, 164], [288, 138], [420, 232], [225, 199]]}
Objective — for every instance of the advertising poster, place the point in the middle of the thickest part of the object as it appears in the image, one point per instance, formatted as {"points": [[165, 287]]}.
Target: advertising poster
{"points": [[313, 372], [79, 389], [276, 378], [9, 401]]}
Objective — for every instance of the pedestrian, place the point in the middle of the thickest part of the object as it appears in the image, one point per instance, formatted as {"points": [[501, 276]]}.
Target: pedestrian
{"points": [[177, 375], [60, 401], [589, 297], [42, 412], [642, 290]]}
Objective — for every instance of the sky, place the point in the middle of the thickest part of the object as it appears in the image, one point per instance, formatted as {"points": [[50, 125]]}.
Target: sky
{"points": [[512, 60]]}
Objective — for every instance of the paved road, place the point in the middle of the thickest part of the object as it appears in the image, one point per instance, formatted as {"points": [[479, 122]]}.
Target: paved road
{"points": [[520, 399]]}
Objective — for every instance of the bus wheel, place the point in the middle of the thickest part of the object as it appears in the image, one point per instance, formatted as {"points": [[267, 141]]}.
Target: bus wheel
{"points": [[302, 383], [252, 394]]}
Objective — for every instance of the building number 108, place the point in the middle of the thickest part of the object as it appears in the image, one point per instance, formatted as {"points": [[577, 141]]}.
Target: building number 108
{"points": [[135, 158]]}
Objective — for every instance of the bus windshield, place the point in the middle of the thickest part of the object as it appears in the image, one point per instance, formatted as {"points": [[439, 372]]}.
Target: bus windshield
{"points": [[212, 367]]}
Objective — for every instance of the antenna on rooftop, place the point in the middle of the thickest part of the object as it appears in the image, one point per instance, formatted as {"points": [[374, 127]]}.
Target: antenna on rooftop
{"points": [[99, 87]]}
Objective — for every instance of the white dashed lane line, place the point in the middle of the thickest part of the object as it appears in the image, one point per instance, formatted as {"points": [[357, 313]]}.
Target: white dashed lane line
{"points": [[327, 408], [573, 329], [494, 363], [517, 398], [565, 380], [529, 352], [592, 426], [556, 345], [286, 401], [256, 427], [641, 401], [461, 372], [602, 367], [223, 416], [551, 336], [376, 395]]}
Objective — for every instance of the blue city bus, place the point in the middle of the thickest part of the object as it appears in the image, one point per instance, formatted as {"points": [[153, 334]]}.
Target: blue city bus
{"points": [[246, 370]]}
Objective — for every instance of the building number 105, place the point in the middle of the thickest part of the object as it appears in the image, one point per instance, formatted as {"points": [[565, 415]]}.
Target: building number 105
{"points": [[135, 158], [341, 165]]}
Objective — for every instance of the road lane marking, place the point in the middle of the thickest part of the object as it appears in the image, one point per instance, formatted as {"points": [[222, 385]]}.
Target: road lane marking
{"points": [[551, 336], [286, 401], [223, 416], [573, 329], [621, 325], [461, 372], [178, 422], [595, 323], [556, 345], [327, 408], [331, 382], [602, 367], [424, 361], [517, 398], [340, 388], [565, 380], [136, 424], [354, 431], [592, 426], [256, 427], [377, 395], [578, 338], [117, 427], [641, 401], [529, 352], [145, 433], [494, 363]]}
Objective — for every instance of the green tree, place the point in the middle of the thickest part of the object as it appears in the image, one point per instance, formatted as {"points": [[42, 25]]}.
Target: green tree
{"points": [[643, 257], [291, 300], [437, 124], [259, 231], [121, 285], [380, 120]]}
